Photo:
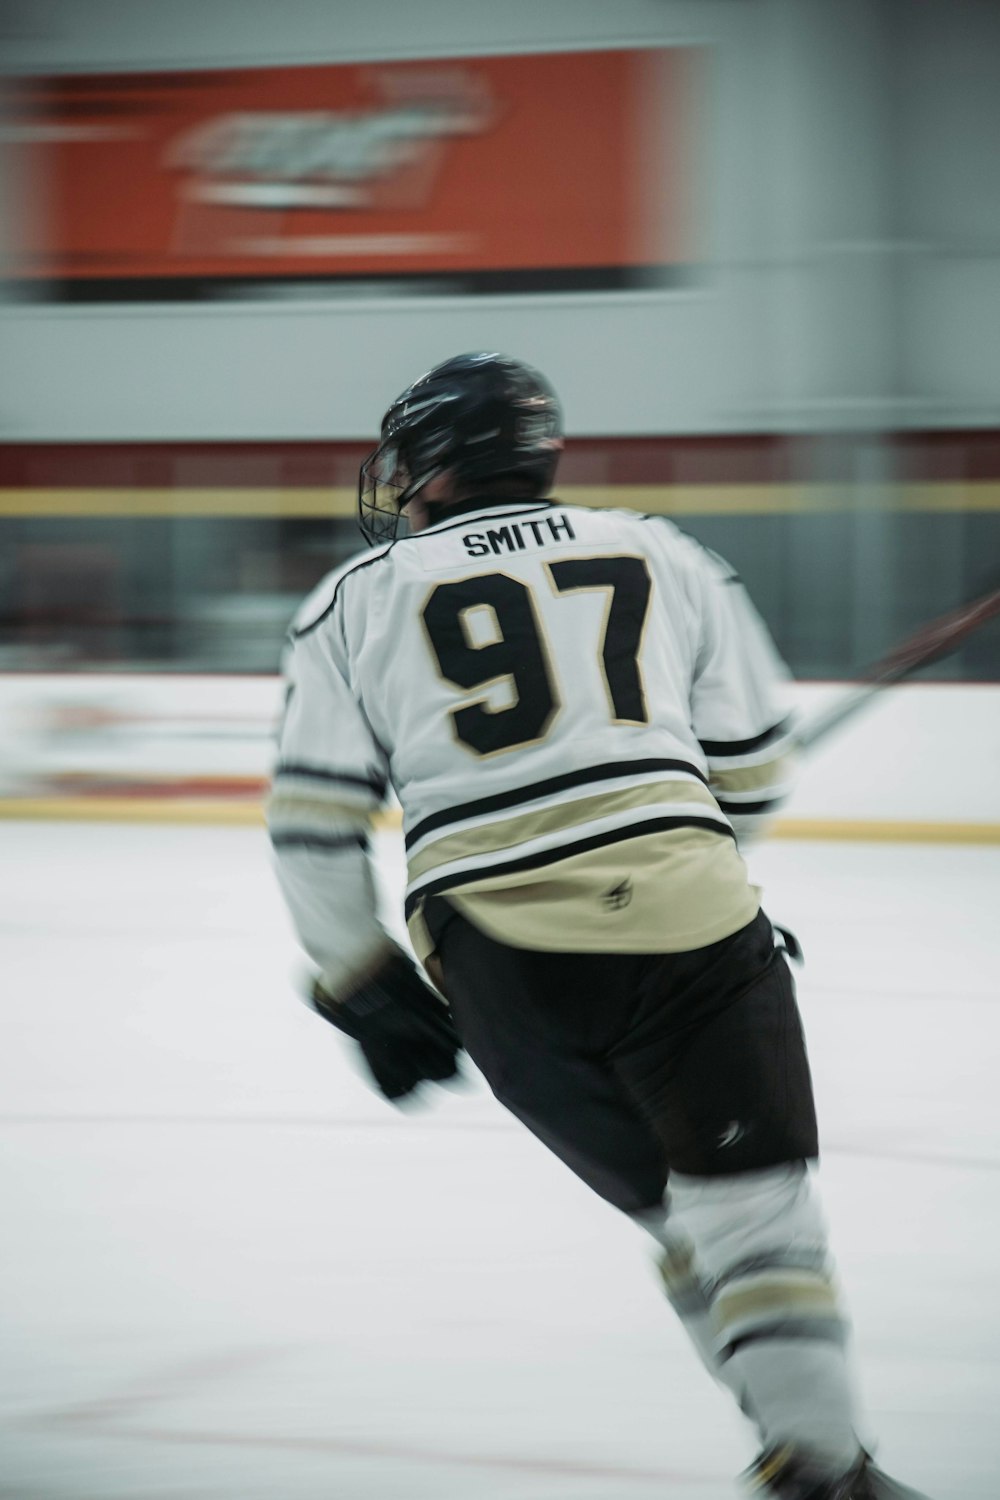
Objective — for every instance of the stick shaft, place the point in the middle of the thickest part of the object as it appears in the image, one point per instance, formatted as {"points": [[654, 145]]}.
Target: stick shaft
{"points": [[932, 642]]}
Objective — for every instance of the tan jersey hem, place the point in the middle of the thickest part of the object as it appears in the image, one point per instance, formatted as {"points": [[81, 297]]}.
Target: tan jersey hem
{"points": [[664, 893]]}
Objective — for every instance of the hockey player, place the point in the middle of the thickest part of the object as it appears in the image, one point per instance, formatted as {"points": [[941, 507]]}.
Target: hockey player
{"points": [[579, 711]]}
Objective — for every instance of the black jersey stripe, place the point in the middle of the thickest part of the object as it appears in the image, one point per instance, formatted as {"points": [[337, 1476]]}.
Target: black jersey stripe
{"points": [[721, 748], [327, 842], [543, 857], [302, 771], [614, 770], [738, 809]]}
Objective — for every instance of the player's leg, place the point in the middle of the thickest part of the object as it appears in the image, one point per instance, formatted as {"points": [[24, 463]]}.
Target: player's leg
{"points": [[776, 1331], [716, 1058], [746, 1259], [780, 1333]]}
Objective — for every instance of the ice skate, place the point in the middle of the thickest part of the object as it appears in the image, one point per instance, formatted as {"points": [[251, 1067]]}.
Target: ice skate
{"points": [[787, 1473], [881, 1487]]}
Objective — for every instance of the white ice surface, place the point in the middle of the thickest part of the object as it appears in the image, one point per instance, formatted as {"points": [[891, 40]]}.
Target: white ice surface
{"points": [[229, 1272]]}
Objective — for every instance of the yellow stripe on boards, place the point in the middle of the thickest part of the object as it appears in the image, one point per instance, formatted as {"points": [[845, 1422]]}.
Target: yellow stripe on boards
{"points": [[227, 810], [656, 499], [178, 502], [884, 830], [200, 810], [695, 499]]}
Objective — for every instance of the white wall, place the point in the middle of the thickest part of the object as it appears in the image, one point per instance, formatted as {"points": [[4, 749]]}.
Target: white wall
{"points": [[812, 311], [923, 753]]}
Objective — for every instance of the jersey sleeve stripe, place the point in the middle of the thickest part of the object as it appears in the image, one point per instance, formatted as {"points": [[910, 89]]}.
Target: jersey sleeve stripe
{"points": [[328, 843], [722, 748], [734, 808], [610, 771], [301, 772], [767, 777], [288, 814]]}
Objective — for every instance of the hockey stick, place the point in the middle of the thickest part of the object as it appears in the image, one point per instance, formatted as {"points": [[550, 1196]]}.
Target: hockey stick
{"points": [[930, 643]]}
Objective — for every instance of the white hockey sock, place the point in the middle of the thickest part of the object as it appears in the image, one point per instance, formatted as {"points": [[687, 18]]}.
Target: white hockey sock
{"points": [[769, 1326], [688, 1298]]}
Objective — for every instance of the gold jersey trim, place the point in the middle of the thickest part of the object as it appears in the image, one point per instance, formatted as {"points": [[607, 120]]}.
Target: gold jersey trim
{"points": [[760, 778], [288, 810], [571, 814]]}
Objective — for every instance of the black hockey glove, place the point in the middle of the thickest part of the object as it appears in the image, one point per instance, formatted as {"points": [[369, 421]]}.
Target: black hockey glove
{"points": [[404, 1031]]}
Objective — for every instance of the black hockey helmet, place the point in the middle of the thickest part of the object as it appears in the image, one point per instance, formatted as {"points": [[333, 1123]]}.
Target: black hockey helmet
{"points": [[481, 417]]}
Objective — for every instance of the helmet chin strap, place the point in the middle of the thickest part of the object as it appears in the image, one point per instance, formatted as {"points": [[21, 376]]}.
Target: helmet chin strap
{"points": [[416, 486], [421, 515]]}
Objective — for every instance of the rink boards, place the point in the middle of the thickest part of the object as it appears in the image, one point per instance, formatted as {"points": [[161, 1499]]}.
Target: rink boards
{"points": [[919, 764]]}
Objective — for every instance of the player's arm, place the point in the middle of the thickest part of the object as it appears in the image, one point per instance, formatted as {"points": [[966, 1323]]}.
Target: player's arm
{"points": [[738, 698], [329, 780]]}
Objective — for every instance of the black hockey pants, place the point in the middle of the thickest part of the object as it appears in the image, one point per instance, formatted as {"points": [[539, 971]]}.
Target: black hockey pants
{"points": [[628, 1065]]}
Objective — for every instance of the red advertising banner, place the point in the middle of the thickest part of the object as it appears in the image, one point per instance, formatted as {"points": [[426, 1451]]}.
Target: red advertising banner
{"points": [[542, 171]]}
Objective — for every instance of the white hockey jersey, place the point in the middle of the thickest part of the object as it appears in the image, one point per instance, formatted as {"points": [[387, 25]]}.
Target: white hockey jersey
{"points": [[577, 709]]}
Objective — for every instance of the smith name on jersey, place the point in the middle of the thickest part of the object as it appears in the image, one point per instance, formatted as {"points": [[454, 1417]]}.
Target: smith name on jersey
{"points": [[578, 711]]}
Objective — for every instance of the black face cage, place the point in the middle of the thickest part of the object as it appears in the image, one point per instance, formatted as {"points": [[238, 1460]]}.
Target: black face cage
{"points": [[382, 490]]}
